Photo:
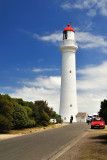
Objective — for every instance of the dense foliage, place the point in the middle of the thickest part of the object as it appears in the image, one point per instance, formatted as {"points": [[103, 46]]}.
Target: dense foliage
{"points": [[103, 110], [18, 114], [6, 113]]}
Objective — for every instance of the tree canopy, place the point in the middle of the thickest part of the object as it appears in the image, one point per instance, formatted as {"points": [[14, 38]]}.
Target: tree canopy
{"points": [[103, 110], [15, 113]]}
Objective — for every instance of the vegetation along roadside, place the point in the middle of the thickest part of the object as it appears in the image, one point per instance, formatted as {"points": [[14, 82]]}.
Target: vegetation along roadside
{"points": [[18, 114]]}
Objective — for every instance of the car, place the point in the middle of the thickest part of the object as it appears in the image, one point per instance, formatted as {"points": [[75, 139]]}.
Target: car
{"points": [[95, 115], [97, 122]]}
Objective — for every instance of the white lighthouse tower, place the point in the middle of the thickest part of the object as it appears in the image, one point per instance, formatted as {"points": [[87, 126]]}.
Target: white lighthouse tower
{"points": [[68, 97]]}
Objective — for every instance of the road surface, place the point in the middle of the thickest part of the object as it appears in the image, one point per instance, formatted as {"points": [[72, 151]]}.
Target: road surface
{"points": [[42, 145]]}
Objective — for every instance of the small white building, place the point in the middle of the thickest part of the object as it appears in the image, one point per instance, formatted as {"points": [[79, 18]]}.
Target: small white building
{"points": [[81, 117]]}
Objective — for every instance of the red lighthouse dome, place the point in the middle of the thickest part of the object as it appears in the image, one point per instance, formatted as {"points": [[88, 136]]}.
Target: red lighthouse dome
{"points": [[68, 28]]}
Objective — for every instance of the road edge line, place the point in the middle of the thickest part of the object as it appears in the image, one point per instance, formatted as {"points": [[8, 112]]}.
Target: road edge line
{"points": [[66, 148]]}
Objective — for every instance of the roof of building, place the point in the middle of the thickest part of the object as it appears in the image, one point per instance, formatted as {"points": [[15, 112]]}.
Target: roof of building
{"points": [[69, 28], [81, 114]]}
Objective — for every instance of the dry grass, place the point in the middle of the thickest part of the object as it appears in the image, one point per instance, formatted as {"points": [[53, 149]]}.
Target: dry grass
{"points": [[14, 133], [92, 147], [35, 129]]}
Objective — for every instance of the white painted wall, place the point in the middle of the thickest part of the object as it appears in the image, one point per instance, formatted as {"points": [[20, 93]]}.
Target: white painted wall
{"points": [[81, 119], [70, 35], [68, 97]]}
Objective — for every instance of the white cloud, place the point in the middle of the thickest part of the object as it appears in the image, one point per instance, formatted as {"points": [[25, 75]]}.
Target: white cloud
{"points": [[92, 12], [88, 40], [84, 40], [5, 89], [91, 89], [54, 37], [93, 78], [92, 6], [90, 102], [66, 6], [44, 82], [45, 69], [33, 94], [83, 4], [79, 4], [104, 50], [102, 5], [42, 88]]}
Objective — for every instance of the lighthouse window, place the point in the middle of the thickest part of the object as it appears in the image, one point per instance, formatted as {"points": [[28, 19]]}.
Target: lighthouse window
{"points": [[70, 105], [64, 118], [64, 35], [70, 71]]}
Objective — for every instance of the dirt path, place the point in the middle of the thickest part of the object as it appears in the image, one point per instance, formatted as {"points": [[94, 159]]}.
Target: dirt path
{"points": [[91, 147]]}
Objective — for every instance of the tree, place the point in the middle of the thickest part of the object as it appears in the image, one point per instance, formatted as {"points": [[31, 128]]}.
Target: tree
{"points": [[44, 119], [6, 113], [31, 123], [4, 123], [18, 114], [103, 110], [20, 117], [29, 110], [40, 112], [58, 118]]}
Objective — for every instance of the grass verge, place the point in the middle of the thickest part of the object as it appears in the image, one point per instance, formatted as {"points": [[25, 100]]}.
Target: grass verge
{"points": [[94, 146], [91, 147]]}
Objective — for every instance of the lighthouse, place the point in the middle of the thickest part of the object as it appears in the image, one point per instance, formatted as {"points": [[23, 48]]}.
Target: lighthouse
{"points": [[68, 95]]}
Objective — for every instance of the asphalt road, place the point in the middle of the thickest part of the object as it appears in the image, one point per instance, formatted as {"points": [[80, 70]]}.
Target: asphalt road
{"points": [[41, 145]]}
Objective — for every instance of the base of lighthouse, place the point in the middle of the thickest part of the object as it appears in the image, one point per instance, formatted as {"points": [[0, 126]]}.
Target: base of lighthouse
{"points": [[66, 112], [66, 116]]}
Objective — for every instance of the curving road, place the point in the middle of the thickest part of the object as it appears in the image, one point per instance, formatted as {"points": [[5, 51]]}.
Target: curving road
{"points": [[41, 145]]}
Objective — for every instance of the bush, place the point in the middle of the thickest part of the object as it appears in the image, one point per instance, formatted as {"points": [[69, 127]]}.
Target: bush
{"points": [[6, 113], [31, 123], [18, 114], [20, 117], [44, 119], [29, 110], [5, 123]]}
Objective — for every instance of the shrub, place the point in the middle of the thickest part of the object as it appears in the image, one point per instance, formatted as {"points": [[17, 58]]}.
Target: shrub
{"points": [[5, 123], [31, 123], [44, 119], [6, 113], [29, 110], [20, 117]]}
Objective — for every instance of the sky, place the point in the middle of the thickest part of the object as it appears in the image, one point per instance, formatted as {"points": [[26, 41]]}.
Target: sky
{"points": [[30, 58]]}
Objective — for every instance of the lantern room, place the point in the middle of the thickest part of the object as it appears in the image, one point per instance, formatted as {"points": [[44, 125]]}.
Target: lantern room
{"points": [[68, 33]]}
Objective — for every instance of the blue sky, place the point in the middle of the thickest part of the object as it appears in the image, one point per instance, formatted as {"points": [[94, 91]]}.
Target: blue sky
{"points": [[30, 59]]}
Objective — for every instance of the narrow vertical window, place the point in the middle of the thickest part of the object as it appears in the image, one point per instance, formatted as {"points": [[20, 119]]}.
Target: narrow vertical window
{"points": [[64, 35]]}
